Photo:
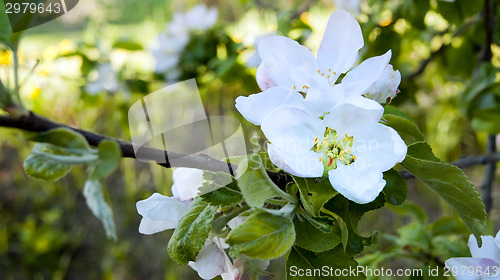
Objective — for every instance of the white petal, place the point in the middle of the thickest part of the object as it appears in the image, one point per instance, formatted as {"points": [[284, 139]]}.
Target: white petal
{"points": [[340, 45], [377, 145], [489, 250], [288, 63], [263, 77], [355, 109], [322, 97], [149, 226], [160, 213], [386, 87], [356, 182], [292, 129], [257, 107], [303, 164], [210, 261], [469, 268], [359, 79], [186, 182]]}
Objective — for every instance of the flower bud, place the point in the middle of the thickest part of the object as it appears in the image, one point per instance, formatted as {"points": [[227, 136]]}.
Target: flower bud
{"points": [[386, 87]]}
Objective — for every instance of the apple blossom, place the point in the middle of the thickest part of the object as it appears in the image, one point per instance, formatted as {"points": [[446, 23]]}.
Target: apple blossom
{"points": [[386, 87], [484, 263], [290, 70], [169, 45], [348, 145], [103, 78], [161, 212]]}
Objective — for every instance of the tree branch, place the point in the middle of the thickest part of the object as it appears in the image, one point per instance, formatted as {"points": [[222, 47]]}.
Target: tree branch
{"points": [[36, 123]]}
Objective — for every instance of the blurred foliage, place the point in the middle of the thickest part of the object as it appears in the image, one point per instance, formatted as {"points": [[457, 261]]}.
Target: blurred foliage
{"points": [[46, 230]]}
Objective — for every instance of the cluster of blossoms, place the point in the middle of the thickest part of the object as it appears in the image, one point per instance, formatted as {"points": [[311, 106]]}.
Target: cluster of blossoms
{"points": [[484, 263], [161, 212], [103, 79], [169, 45], [318, 126]]}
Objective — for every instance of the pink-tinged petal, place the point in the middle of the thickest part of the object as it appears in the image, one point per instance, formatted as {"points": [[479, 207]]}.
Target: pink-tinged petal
{"points": [[292, 130], [257, 107], [489, 250], [340, 45], [263, 78], [210, 261], [473, 268], [357, 182], [386, 87], [303, 164], [379, 146], [358, 80], [356, 109], [287, 62], [160, 213], [322, 97]]}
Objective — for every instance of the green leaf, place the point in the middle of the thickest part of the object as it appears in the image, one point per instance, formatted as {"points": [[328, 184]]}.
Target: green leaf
{"points": [[109, 157], [396, 188], [191, 232], [5, 30], [314, 195], [127, 45], [49, 162], [62, 137], [95, 201], [262, 236], [450, 183], [308, 262], [313, 239], [220, 189], [351, 213], [414, 234], [41, 166], [5, 97], [403, 124], [255, 185]]}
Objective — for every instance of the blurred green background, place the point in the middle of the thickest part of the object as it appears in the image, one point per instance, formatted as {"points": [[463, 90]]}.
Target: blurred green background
{"points": [[46, 229]]}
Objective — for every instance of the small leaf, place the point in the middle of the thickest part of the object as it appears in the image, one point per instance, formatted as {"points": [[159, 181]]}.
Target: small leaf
{"points": [[96, 203], [450, 183], [42, 167], [403, 124], [191, 232], [109, 157], [49, 162], [255, 185], [351, 213], [314, 195], [262, 236], [127, 45], [313, 239], [396, 188], [309, 262], [62, 137], [220, 189]]}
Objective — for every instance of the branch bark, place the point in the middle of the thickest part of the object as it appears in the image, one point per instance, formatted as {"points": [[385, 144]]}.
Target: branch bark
{"points": [[36, 123]]}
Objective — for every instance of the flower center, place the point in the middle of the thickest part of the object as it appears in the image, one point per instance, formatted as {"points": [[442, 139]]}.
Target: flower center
{"points": [[330, 76], [332, 148]]}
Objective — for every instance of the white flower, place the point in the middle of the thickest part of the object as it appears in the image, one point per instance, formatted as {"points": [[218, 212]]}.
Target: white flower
{"points": [[484, 263], [386, 87], [348, 145], [161, 212], [103, 78], [290, 70], [169, 45]]}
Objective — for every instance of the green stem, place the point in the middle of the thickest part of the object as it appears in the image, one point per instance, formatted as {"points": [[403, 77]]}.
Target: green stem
{"points": [[221, 222]]}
